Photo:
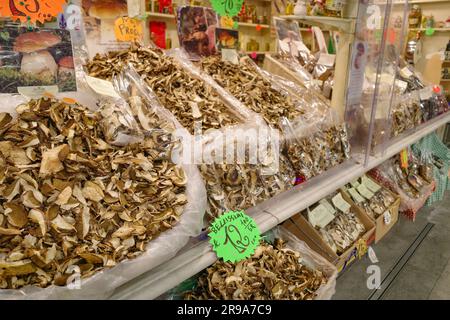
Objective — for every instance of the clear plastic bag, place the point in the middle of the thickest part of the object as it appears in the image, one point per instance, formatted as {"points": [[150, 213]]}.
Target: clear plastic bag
{"points": [[390, 175], [239, 184], [196, 101], [406, 113], [315, 148], [232, 183], [162, 248]]}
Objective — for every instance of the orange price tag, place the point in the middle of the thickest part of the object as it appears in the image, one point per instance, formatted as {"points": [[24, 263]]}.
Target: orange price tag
{"points": [[69, 100], [128, 29], [31, 11], [404, 158]]}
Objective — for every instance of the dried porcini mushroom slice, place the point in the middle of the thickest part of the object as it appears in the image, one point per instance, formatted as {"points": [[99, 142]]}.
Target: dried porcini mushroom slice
{"points": [[273, 272], [60, 207], [176, 89]]}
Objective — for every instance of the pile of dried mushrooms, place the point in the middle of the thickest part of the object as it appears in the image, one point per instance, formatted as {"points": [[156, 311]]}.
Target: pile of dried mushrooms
{"points": [[274, 272], [69, 198]]}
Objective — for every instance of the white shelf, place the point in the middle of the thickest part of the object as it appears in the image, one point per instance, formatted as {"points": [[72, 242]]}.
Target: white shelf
{"points": [[259, 52], [435, 29], [421, 2], [160, 15], [253, 25], [267, 215], [342, 24]]}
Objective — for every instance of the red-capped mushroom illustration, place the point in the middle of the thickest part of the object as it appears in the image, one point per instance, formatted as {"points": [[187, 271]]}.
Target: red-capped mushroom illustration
{"points": [[66, 66]]}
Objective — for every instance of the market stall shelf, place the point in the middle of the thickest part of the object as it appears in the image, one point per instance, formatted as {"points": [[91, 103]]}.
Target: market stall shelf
{"points": [[267, 215]]}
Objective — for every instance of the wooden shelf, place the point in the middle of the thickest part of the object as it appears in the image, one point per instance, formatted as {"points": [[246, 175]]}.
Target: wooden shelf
{"points": [[421, 2], [253, 25], [435, 29], [445, 80], [341, 24], [259, 52], [160, 15]]}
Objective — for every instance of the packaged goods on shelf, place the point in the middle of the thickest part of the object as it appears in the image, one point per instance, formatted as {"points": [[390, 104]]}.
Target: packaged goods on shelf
{"points": [[315, 140], [406, 113], [230, 185], [78, 210], [284, 268], [334, 228], [408, 182], [379, 203]]}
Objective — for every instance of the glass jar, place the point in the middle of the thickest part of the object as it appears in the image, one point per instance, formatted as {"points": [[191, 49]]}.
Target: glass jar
{"points": [[415, 17]]}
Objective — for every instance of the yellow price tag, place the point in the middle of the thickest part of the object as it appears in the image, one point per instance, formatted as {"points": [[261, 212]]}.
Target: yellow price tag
{"points": [[128, 29]]}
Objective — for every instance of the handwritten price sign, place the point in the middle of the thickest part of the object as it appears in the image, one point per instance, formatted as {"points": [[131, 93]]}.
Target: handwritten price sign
{"points": [[234, 236], [128, 29], [31, 11], [229, 8]]}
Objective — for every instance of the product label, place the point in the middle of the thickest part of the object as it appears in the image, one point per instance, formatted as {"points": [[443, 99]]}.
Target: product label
{"points": [[37, 92], [230, 55], [402, 84], [340, 203], [355, 195], [234, 236], [372, 186], [102, 87], [405, 72], [326, 59], [355, 183], [328, 205], [372, 256], [366, 193], [320, 216], [387, 217]]}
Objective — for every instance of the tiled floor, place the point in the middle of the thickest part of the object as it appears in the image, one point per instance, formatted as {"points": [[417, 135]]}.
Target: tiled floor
{"points": [[426, 275]]}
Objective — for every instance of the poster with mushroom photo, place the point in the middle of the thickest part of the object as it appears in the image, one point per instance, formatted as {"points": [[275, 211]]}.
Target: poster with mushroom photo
{"points": [[99, 17], [196, 30], [36, 58]]}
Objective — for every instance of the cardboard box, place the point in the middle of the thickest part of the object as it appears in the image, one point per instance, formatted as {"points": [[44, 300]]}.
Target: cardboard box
{"points": [[381, 227], [301, 227]]}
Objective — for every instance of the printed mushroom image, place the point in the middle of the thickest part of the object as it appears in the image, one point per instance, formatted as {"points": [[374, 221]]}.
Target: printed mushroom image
{"points": [[107, 12], [36, 60], [66, 66]]}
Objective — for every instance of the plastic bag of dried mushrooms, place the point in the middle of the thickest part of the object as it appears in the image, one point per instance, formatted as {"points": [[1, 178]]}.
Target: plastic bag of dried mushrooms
{"points": [[196, 101], [246, 179], [89, 198], [314, 138], [282, 268]]}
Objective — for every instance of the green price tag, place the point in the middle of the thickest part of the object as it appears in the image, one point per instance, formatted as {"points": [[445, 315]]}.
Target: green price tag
{"points": [[429, 31], [234, 236], [229, 8]]}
